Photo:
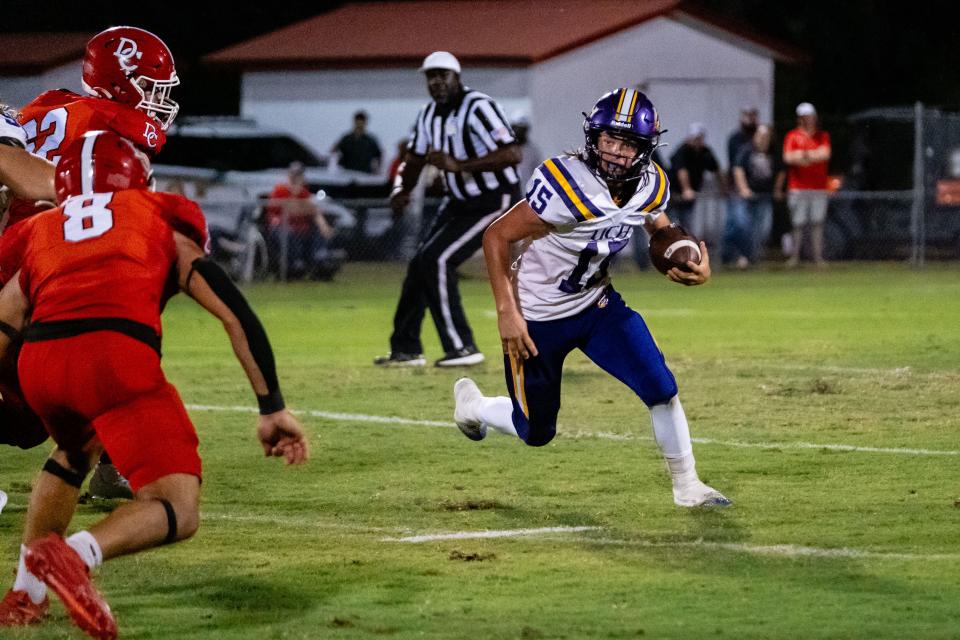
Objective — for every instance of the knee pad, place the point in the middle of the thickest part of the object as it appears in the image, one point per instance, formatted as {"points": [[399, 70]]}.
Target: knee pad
{"points": [[540, 432], [171, 521], [73, 477], [659, 390]]}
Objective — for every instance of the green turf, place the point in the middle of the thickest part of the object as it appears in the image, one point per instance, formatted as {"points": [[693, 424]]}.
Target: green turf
{"points": [[863, 355]]}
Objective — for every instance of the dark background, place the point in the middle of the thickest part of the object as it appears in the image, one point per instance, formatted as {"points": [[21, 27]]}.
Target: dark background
{"points": [[863, 53]]}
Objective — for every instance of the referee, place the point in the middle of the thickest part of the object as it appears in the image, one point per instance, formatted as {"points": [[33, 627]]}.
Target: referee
{"points": [[465, 134]]}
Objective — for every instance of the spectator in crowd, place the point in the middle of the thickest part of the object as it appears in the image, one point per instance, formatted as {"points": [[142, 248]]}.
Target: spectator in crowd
{"points": [[464, 134], [688, 164], [758, 179], [743, 135], [532, 156], [357, 149], [295, 224], [806, 152]]}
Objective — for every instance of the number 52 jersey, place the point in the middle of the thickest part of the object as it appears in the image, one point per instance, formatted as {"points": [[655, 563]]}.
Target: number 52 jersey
{"points": [[565, 271]]}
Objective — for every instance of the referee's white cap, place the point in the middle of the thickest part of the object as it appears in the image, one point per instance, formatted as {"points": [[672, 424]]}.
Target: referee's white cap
{"points": [[441, 60]]}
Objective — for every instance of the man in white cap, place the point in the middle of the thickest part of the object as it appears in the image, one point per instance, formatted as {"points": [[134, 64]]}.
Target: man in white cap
{"points": [[465, 135], [806, 152]]}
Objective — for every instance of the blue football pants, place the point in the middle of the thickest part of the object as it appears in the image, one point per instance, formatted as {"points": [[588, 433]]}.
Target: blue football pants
{"points": [[612, 335]]}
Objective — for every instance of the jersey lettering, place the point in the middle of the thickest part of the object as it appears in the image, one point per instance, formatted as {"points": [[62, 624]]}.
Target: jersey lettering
{"points": [[571, 284], [46, 140], [542, 194], [87, 217]]}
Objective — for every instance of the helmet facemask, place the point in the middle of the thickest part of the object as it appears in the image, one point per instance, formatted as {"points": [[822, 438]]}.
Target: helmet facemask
{"points": [[604, 163], [155, 98]]}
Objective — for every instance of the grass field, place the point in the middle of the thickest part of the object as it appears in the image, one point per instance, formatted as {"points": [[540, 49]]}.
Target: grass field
{"points": [[826, 405]]}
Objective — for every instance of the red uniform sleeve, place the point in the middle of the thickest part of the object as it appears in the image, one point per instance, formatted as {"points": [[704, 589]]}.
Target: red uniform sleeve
{"points": [[13, 244], [140, 129], [186, 217]]}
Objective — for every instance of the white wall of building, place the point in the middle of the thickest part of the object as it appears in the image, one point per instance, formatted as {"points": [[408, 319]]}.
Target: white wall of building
{"points": [[17, 91], [689, 76], [318, 106]]}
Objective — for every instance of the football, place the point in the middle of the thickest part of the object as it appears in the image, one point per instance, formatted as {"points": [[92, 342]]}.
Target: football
{"points": [[672, 246]]}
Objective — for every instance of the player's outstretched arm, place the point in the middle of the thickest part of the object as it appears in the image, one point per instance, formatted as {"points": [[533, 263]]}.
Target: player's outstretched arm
{"points": [[519, 223], [28, 176], [203, 280], [13, 313]]}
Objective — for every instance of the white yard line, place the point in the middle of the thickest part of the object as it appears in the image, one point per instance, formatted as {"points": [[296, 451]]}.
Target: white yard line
{"points": [[601, 435], [474, 535], [408, 536], [786, 550]]}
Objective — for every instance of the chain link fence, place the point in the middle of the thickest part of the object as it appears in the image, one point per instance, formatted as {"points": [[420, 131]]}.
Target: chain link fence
{"points": [[897, 197], [255, 243]]}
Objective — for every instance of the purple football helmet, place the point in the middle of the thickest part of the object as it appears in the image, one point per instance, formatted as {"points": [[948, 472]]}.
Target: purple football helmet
{"points": [[628, 115]]}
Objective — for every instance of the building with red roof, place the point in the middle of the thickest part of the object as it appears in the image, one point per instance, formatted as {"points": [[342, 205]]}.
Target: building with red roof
{"points": [[546, 60]]}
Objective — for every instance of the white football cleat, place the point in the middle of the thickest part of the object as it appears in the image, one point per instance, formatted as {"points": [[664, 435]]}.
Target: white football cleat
{"points": [[3, 500], [697, 494], [465, 394]]}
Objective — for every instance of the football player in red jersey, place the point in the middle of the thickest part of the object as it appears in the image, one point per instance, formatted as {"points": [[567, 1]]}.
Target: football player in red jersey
{"points": [[95, 274], [128, 73]]}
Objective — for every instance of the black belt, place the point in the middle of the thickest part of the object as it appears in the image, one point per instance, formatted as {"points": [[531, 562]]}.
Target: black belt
{"points": [[57, 329]]}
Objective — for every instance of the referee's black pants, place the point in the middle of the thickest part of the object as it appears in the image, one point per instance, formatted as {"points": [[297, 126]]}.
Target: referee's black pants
{"points": [[431, 280]]}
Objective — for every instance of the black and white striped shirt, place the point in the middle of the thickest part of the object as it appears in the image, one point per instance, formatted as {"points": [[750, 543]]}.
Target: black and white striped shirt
{"points": [[471, 129]]}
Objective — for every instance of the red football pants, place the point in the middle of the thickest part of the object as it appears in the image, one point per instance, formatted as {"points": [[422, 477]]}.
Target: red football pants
{"points": [[111, 383]]}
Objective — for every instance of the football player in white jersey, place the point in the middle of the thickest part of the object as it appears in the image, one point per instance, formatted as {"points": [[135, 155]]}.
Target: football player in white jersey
{"points": [[580, 211]]}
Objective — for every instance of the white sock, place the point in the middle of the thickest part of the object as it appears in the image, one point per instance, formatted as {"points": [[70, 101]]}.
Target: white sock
{"points": [[87, 548], [672, 434], [497, 414], [26, 581]]}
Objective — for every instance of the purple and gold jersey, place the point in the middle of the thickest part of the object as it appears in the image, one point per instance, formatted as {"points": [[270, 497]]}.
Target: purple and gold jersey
{"points": [[565, 271]]}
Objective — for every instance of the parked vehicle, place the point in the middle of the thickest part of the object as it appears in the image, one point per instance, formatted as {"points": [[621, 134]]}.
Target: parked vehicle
{"points": [[230, 165]]}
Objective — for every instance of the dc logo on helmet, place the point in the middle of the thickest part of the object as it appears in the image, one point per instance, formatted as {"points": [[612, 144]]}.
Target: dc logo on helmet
{"points": [[126, 52]]}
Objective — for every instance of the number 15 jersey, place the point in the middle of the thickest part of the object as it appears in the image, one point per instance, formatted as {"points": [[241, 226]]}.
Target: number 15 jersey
{"points": [[565, 271]]}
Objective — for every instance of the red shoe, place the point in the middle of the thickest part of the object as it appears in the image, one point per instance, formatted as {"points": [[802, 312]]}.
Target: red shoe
{"points": [[18, 610], [52, 560]]}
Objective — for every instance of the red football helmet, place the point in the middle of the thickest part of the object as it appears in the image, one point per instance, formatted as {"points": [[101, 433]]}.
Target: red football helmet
{"points": [[101, 162], [133, 67]]}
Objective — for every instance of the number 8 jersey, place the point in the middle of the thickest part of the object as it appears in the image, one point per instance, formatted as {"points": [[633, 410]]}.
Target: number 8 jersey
{"points": [[105, 255], [565, 271]]}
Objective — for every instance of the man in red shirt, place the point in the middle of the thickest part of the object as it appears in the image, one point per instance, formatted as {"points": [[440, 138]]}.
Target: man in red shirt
{"points": [[806, 152], [94, 276], [296, 225]]}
